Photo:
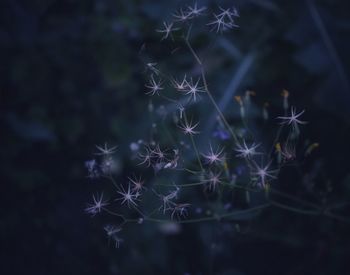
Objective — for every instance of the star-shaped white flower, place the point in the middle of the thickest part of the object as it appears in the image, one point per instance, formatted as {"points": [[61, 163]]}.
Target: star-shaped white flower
{"points": [[154, 86], [181, 16], [224, 20], [168, 29], [97, 205], [213, 180], [137, 182], [128, 196], [188, 128], [293, 119], [246, 151], [180, 85], [262, 173], [195, 11], [214, 157], [192, 89], [105, 150]]}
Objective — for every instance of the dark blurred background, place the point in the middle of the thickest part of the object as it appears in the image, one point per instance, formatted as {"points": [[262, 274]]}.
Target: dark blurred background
{"points": [[72, 77]]}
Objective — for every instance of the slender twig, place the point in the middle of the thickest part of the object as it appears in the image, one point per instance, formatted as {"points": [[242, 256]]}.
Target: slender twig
{"points": [[194, 146], [214, 217], [229, 128], [294, 209]]}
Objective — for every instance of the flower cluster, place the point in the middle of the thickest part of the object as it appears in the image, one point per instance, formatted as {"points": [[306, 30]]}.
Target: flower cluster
{"points": [[193, 156]]}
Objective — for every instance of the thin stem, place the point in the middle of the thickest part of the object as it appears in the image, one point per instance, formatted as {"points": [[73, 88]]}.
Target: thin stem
{"points": [[229, 128], [190, 171], [213, 217], [110, 177], [180, 185], [194, 145], [194, 53], [139, 211], [113, 213], [285, 195], [294, 209]]}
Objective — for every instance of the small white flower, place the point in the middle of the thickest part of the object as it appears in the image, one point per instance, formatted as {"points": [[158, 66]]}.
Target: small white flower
{"points": [[181, 16], [154, 86], [293, 119], [180, 86], [192, 89], [195, 11], [246, 151], [168, 28], [224, 20], [229, 13], [213, 180], [167, 200], [105, 150], [146, 157], [188, 128], [219, 24], [263, 173], [214, 157], [128, 196], [97, 205], [158, 153], [137, 184]]}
